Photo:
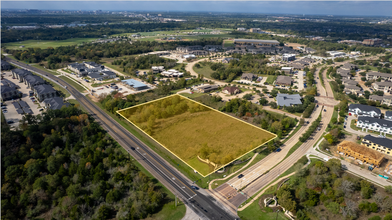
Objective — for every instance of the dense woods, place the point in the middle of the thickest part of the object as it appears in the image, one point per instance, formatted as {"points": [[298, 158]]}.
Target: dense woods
{"points": [[60, 56], [62, 165], [337, 194]]}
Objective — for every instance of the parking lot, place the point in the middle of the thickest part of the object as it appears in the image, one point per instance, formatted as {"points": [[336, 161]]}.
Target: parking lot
{"points": [[10, 112]]}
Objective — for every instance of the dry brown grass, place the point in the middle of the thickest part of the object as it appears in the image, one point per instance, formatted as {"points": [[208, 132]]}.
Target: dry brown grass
{"points": [[185, 135], [362, 150]]}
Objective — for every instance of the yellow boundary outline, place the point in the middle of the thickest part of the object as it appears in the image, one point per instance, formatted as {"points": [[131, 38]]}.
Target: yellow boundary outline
{"points": [[118, 112]]}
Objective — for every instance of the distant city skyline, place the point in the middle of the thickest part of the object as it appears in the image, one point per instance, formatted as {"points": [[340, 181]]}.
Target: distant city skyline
{"points": [[348, 8]]}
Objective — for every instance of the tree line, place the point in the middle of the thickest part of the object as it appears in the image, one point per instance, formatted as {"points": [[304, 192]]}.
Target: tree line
{"points": [[63, 165], [324, 184]]}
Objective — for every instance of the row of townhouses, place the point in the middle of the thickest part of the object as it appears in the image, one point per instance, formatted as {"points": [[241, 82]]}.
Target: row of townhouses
{"points": [[42, 91]]}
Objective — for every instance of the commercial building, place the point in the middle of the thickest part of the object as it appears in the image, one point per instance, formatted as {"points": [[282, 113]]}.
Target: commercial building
{"points": [[228, 59], [189, 49], [360, 152], [241, 29], [380, 144], [256, 43], [255, 30], [248, 76], [134, 84], [157, 69], [374, 124], [336, 53], [207, 88], [364, 110], [288, 100], [92, 70], [172, 73], [288, 57], [372, 42], [288, 70], [231, 90]]}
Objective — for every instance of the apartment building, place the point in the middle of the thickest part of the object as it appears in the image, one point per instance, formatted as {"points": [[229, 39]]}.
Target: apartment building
{"points": [[374, 124], [382, 86], [372, 42], [360, 152], [376, 75], [380, 144], [364, 110]]}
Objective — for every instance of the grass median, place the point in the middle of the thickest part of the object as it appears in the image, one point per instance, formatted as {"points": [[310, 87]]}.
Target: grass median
{"points": [[73, 83]]}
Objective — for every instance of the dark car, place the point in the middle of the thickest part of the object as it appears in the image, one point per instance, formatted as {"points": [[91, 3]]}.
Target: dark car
{"points": [[278, 150], [132, 148], [195, 187], [240, 176], [325, 110], [10, 122]]}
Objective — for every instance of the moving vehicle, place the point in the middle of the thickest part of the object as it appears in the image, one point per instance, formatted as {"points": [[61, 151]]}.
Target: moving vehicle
{"points": [[240, 176], [195, 187], [278, 150]]}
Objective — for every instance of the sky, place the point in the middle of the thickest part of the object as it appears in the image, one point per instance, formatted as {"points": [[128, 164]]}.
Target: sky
{"points": [[351, 8]]}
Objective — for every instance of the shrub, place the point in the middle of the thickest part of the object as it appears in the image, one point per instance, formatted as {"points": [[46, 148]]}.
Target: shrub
{"points": [[333, 207], [375, 218]]}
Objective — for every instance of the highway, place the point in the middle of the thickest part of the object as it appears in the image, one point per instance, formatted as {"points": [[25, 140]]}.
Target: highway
{"points": [[204, 206]]}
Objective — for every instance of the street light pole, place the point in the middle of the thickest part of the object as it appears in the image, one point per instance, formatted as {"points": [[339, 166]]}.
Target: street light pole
{"points": [[277, 214]]}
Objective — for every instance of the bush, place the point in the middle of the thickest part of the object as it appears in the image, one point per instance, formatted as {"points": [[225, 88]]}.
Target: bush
{"points": [[375, 218], [388, 189], [308, 111], [333, 207], [388, 217]]}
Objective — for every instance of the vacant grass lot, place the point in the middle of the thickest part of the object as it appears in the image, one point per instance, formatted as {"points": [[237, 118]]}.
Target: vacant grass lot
{"points": [[208, 132], [43, 44], [205, 70], [271, 79]]}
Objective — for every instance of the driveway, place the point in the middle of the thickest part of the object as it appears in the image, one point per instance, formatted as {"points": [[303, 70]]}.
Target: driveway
{"points": [[352, 131]]}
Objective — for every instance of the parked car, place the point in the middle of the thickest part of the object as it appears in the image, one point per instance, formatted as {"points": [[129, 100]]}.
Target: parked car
{"points": [[5, 111], [41, 109], [10, 122], [3, 107], [278, 150], [325, 110]]}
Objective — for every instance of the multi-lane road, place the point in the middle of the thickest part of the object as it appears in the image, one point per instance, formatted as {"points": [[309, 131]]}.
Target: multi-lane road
{"points": [[205, 206]]}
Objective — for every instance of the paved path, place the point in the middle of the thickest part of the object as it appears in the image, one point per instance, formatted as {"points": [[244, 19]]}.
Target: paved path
{"points": [[268, 108]]}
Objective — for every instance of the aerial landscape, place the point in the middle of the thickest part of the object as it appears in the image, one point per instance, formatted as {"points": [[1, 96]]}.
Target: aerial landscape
{"points": [[252, 110]]}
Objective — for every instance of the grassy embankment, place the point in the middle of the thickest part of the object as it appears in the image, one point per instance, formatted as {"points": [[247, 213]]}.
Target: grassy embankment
{"points": [[73, 83], [43, 44]]}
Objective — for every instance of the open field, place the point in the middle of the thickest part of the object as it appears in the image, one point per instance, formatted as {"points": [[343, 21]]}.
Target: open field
{"points": [[45, 44], [188, 130], [205, 70], [271, 79]]}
